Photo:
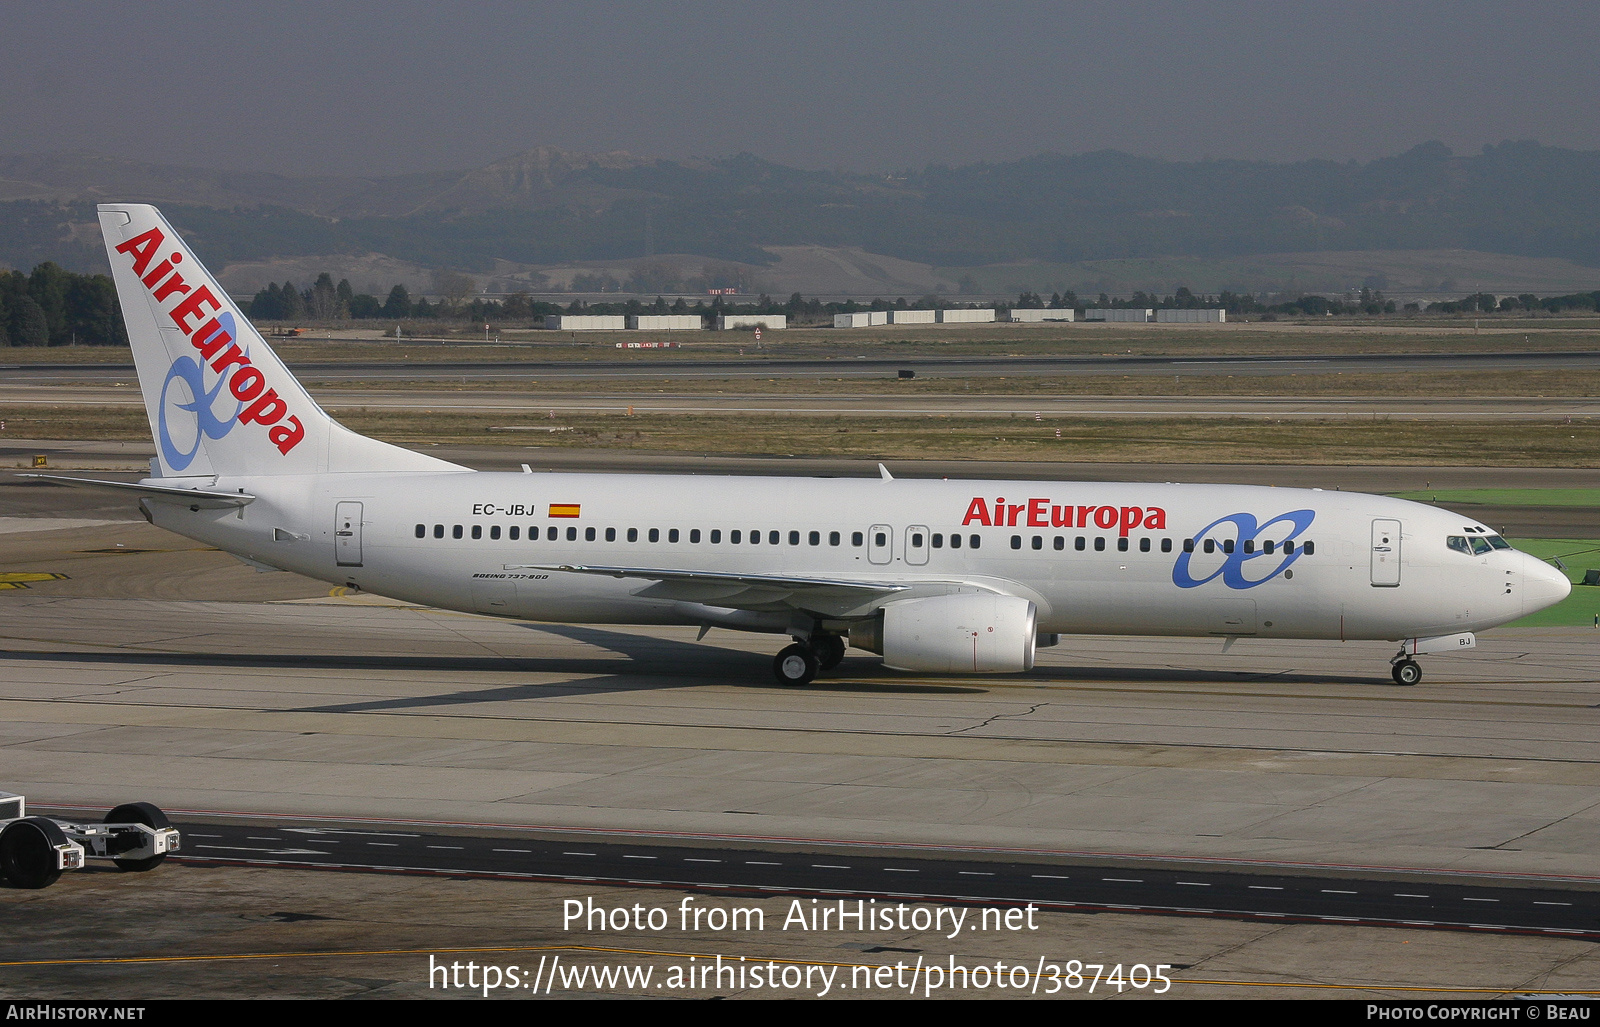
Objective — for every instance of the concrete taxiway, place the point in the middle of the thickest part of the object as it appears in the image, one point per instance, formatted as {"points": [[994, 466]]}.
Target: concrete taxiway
{"points": [[157, 669]]}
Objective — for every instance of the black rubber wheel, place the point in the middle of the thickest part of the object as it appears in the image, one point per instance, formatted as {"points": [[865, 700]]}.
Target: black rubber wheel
{"points": [[829, 650], [795, 665], [28, 854], [139, 813], [1407, 672]]}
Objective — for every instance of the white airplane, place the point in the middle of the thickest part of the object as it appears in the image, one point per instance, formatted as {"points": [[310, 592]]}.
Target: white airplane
{"points": [[936, 576]]}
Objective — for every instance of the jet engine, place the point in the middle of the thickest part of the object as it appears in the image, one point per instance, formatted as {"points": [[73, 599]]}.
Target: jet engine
{"points": [[961, 634]]}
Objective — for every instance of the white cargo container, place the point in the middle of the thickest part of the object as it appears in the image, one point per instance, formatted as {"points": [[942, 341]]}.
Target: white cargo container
{"points": [[950, 317], [857, 320], [1035, 315], [1135, 314], [877, 317], [665, 322], [912, 317], [586, 322], [772, 321], [1189, 317]]}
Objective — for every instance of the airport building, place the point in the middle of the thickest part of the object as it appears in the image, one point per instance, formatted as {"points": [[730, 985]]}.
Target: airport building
{"points": [[949, 317], [912, 317], [1189, 317], [1138, 315], [586, 322], [772, 321], [666, 322], [1034, 315]]}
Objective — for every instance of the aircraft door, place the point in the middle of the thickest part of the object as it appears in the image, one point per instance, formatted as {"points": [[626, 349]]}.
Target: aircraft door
{"points": [[1385, 553], [347, 534], [916, 544], [880, 543]]}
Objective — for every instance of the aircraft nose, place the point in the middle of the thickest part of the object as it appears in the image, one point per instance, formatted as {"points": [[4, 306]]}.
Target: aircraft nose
{"points": [[1542, 585]]}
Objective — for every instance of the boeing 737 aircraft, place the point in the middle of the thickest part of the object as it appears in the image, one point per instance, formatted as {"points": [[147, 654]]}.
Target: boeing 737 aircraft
{"points": [[936, 576]]}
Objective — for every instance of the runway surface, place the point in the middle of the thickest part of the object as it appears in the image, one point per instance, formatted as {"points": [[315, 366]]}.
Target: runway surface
{"points": [[674, 366]]}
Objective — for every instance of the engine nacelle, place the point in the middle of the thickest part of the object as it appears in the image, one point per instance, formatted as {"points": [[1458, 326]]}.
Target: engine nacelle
{"points": [[961, 634]]}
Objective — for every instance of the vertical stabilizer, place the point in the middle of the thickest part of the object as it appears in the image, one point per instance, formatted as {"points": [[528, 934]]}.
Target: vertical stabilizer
{"points": [[219, 400]]}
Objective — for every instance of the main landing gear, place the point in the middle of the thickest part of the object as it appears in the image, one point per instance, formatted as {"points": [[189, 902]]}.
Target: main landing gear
{"points": [[1405, 670], [798, 664]]}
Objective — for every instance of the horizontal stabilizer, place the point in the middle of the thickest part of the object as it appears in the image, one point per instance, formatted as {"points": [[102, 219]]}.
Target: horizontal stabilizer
{"points": [[181, 494]]}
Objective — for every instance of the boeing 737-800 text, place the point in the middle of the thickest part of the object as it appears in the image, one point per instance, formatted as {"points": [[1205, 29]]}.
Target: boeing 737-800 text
{"points": [[936, 576]]}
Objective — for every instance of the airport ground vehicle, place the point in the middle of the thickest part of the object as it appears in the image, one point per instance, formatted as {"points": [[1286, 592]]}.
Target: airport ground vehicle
{"points": [[935, 576], [34, 850]]}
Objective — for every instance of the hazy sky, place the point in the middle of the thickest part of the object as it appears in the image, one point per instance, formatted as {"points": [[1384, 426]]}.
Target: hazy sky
{"points": [[381, 88]]}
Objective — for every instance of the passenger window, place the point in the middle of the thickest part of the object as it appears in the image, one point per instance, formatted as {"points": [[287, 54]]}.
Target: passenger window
{"points": [[1269, 547], [1060, 543], [633, 534], [494, 531], [938, 541], [1122, 545], [551, 533], [880, 539], [513, 532], [672, 535], [755, 538], [1144, 545], [833, 538], [974, 541], [955, 541], [1078, 543], [588, 534], [1166, 545], [1288, 547], [1016, 541], [815, 538], [716, 536], [422, 531], [735, 535], [694, 536], [772, 538], [1211, 545], [916, 540], [1038, 542], [856, 538], [1188, 545], [1099, 543], [1249, 545], [794, 538], [1227, 545], [438, 531], [611, 534], [655, 534], [455, 532], [1308, 548], [477, 531], [572, 534]]}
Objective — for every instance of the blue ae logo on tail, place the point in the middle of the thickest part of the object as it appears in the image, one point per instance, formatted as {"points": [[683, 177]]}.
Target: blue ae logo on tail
{"points": [[204, 423], [1258, 560]]}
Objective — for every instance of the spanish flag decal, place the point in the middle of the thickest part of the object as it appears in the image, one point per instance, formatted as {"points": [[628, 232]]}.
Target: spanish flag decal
{"points": [[564, 509]]}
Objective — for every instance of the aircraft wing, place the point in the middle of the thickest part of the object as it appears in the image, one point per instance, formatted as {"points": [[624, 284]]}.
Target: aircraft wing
{"points": [[758, 592], [165, 493]]}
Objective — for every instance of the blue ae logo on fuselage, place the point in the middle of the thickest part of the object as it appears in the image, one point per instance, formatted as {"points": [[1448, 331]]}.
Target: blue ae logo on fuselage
{"points": [[1242, 569], [203, 422]]}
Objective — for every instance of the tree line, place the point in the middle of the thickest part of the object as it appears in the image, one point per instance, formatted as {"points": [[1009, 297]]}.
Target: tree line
{"points": [[55, 307]]}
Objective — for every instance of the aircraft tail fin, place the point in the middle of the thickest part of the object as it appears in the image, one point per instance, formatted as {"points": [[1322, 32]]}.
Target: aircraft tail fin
{"points": [[219, 400]]}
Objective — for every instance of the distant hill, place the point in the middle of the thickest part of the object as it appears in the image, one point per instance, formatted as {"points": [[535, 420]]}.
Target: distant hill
{"points": [[550, 208]]}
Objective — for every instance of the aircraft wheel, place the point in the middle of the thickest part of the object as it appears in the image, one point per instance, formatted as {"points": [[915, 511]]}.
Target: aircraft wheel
{"points": [[28, 853], [1407, 672], [795, 665], [829, 650], [139, 813]]}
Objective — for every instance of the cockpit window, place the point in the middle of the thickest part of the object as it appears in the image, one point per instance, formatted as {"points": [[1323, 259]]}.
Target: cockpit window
{"points": [[1480, 545], [1499, 543], [1459, 544]]}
